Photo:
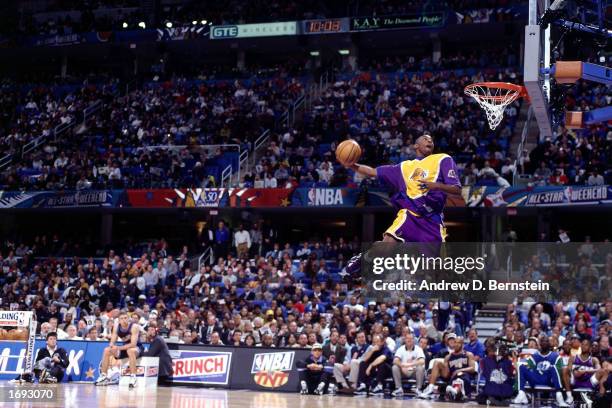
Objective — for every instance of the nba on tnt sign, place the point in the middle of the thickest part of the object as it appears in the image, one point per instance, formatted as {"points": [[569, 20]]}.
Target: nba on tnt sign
{"points": [[272, 369]]}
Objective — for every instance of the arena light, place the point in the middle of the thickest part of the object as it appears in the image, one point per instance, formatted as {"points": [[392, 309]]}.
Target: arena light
{"points": [[344, 52], [142, 25], [168, 24], [124, 25], [314, 53], [203, 22], [194, 22]]}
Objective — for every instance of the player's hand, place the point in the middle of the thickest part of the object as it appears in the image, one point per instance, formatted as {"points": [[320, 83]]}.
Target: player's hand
{"points": [[56, 359], [368, 370], [428, 185]]}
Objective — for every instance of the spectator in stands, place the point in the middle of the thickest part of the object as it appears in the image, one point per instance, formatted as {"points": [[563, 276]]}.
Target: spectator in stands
{"points": [[71, 332], [45, 328], [242, 241], [236, 340], [595, 179], [424, 345], [474, 345], [333, 351], [209, 328], [222, 239], [215, 339], [92, 334], [542, 174]]}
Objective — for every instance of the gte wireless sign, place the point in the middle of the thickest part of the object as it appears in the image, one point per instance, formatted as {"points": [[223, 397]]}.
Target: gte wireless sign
{"points": [[218, 32], [254, 30]]}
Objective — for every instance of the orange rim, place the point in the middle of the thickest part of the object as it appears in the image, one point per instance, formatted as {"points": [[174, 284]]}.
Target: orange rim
{"points": [[503, 85]]}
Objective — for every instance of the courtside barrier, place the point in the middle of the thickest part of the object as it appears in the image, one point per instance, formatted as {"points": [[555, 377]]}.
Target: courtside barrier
{"points": [[253, 368]]}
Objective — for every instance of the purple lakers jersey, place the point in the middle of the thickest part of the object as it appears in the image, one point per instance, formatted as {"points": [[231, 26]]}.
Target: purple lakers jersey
{"points": [[584, 381], [404, 178]]}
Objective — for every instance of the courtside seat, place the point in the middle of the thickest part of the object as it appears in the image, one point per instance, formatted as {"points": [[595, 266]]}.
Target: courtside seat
{"points": [[536, 394]]}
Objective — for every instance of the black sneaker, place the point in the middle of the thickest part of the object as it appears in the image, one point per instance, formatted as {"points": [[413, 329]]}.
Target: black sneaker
{"points": [[362, 389]]}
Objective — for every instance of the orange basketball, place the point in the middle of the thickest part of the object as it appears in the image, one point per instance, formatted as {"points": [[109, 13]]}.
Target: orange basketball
{"points": [[348, 152], [3, 334]]}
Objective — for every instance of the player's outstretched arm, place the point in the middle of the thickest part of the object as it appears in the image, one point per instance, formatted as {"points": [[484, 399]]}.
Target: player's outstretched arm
{"points": [[363, 169]]}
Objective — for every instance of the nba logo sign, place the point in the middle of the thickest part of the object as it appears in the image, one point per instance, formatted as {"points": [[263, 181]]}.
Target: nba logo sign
{"points": [[272, 369]]}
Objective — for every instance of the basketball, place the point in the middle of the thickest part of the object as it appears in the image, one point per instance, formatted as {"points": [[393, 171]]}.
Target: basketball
{"points": [[3, 334], [348, 152]]}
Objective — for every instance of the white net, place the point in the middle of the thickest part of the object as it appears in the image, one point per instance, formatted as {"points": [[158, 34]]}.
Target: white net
{"points": [[493, 100]]}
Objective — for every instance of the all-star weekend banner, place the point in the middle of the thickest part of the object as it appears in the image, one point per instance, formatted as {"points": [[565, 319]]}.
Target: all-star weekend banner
{"points": [[488, 196]]}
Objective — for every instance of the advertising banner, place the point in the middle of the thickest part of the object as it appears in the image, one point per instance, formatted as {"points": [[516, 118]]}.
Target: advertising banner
{"points": [[60, 199], [253, 30], [546, 196], [267, 369], [404, 21], [475, 196], [479, 16], [93, 37], [182, 33], [83, 357], [206, 367], [260, 197], [325, 26], [254, 368], [56, 40], [325, 197], [177, 198]]}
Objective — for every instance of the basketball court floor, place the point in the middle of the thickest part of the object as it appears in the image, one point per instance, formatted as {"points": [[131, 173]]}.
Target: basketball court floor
{"points": [[89, 396]]}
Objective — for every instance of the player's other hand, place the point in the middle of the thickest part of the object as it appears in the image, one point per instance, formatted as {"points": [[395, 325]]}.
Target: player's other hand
{"points": [[428, 185]]}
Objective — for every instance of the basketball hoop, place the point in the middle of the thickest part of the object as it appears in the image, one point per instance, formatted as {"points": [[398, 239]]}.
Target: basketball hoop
{"points": [[493, 97]]}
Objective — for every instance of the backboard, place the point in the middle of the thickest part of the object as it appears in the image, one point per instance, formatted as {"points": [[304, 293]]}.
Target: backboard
{"points": [[537, 56]]}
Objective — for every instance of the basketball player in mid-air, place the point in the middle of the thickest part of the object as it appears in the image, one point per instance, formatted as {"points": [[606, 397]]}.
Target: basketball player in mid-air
{"points": [[420, 188], [129, 333]]}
